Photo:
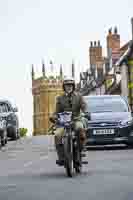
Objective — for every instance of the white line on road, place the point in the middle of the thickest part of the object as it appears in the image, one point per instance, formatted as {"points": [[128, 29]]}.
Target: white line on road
{"points": [[9, 186], [27, 164], [44, 157]]}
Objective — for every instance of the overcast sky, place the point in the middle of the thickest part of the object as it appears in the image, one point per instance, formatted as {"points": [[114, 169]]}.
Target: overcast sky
{"points": [[60, 30]]}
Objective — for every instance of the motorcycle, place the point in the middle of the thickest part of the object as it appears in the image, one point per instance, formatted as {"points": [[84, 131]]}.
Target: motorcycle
{"points": [[71, 144]]}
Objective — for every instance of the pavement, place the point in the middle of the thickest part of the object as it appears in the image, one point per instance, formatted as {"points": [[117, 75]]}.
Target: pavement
{"points": [[28, 171]]}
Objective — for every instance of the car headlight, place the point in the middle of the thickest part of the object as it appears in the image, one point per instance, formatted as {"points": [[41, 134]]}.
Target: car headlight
{"points": [[126, 122]]}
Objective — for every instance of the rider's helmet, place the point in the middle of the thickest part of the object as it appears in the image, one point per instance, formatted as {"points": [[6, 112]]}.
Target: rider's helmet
{"points": [[68, 81]]}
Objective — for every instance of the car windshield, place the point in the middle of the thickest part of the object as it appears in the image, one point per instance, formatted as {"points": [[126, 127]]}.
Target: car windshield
{"points": [[2, 108], [106, 105]]}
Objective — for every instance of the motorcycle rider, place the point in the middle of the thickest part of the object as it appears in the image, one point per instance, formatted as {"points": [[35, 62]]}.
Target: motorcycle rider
{"points": [[72, 102]]}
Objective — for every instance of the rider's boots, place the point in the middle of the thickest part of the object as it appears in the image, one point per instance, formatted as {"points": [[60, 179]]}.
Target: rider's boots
{"points": [[82, 138], [60, 154]]}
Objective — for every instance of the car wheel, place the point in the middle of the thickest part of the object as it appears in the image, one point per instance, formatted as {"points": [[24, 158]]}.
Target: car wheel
{"points": [[4, 138], [130, 146], [3, 142], [6, 141], [18, 135], [14, 134]]}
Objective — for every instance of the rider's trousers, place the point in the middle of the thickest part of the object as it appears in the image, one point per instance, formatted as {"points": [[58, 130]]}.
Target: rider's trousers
{"points": [[58, 137]]}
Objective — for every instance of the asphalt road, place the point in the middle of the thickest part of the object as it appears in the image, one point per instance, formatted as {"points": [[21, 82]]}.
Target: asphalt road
{"points": [[28, 171]]}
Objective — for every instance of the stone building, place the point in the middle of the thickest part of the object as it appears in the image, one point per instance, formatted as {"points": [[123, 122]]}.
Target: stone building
{"points": [[45, 89], [125, 64]]}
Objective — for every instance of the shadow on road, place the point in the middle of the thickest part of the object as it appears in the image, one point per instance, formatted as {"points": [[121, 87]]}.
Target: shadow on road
{"points": [[61, 175], [109, 147]]}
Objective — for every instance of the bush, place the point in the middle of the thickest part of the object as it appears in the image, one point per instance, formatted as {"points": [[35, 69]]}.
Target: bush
{"points": [[23, 132]]}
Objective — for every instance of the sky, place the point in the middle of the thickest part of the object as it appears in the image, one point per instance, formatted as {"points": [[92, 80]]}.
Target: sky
{"points": [[57, 30]]}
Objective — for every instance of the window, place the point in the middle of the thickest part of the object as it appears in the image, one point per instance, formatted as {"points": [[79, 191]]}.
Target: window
{"points": [[106, 105], [3, 108], [8, 107]]}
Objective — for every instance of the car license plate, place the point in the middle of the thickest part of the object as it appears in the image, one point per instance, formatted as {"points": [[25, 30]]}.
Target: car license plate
{"points": [[103, 131]]}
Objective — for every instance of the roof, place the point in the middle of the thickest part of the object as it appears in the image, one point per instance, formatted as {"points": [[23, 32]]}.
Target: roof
{"points": [[88, 88], [114, 87], [5, 101], [125, 55], [125, 46]]}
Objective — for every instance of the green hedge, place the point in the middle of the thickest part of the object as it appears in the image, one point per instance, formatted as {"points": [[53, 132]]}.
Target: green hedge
{"points": [[23, 132]]}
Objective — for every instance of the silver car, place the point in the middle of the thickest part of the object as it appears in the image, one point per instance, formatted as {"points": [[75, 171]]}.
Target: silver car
{"points": [[3, 131], [111, 120], [8, 113]]}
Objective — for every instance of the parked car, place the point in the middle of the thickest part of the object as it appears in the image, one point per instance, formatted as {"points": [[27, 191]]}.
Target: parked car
{"points": [[3, 131], [8, 113], [111, 120]]}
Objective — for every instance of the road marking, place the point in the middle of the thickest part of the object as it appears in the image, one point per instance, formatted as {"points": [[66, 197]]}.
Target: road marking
{"points": [[27, 164], [44, 157], [8, 186]]}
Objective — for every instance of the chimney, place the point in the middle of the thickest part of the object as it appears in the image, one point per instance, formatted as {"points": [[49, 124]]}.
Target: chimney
{"points": [[61, 71], [73, 69], [115, 30], [113, 42], [43, 69], [51, 66], [132, 26], [32, 72], [98, 43], [110, 31]]}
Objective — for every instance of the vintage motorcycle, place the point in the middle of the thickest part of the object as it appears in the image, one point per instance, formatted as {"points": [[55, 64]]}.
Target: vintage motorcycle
{"points": [[71, 144]]}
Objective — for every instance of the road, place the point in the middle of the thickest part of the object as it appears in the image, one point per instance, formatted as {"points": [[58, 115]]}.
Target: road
{"points": [[28, 171]]}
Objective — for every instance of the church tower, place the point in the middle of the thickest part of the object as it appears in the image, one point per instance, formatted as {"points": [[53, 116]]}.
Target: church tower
{"points": [[44, 90]]}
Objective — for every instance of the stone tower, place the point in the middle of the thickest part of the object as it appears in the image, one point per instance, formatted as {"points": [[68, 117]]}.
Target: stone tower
{"points": [[44, 90]]}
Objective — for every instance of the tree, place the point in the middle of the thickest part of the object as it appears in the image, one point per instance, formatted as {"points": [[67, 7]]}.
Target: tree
{"points": [[23, 132]]}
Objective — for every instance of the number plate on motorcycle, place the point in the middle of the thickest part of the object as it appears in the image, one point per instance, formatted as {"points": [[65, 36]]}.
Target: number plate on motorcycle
{"points": [[65, 117], [62, 140]]}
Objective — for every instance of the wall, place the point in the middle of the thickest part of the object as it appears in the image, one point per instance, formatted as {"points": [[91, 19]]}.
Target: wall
{"points": [[124, 80]]}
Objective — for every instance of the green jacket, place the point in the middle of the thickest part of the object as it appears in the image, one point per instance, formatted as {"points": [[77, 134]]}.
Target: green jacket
{"points": [[75, 103]]}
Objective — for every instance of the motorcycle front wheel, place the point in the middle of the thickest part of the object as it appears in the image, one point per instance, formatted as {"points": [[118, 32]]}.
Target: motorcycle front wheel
{"points": [[68, 155], [77, 156]]}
